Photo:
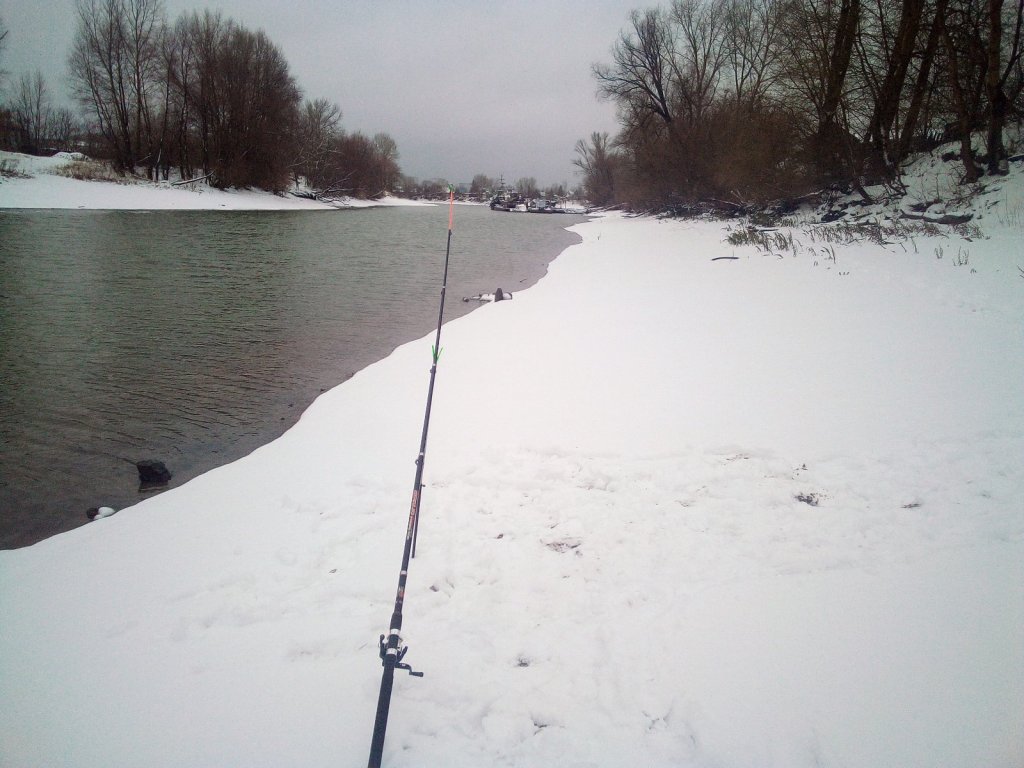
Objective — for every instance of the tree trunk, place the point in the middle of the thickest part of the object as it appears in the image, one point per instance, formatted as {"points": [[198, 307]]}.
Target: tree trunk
{"points": [[887, 104], [830, 140], [997, 103], [922, 84], [963, 115]]}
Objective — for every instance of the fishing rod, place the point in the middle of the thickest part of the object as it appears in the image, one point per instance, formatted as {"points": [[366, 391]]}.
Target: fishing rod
{"points": [[391, 649]]}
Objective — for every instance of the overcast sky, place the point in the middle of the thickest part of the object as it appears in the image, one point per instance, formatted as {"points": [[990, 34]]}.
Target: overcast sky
{"points": [[463, 86]]}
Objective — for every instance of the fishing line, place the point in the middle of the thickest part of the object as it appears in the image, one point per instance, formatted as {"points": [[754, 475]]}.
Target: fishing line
{"points": [[392, 651]]}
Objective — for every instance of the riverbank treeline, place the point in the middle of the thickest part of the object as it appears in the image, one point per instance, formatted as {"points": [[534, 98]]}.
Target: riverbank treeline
{"points": [[202, 95], [750, 101]]}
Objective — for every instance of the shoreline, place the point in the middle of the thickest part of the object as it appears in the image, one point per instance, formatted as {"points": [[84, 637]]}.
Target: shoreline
{"points": [[658, 484], [39, 504], [45, 190]]}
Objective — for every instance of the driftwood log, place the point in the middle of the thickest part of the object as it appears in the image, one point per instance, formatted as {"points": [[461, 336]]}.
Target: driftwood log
{"points": [[948, 218]]}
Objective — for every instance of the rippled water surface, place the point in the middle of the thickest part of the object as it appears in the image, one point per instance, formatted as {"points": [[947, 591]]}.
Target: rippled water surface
{"points": [[195, 337]]}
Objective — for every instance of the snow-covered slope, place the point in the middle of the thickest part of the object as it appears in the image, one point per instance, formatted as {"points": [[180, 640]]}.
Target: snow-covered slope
{"points": [[36, 182], [679, 512]]}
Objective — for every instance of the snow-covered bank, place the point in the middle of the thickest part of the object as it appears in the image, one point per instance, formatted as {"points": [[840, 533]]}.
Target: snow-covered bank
{"points": [[37, 186], [762, 512]]}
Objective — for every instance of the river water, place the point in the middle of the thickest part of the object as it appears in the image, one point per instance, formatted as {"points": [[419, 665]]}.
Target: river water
{"points": [[195, 337]]}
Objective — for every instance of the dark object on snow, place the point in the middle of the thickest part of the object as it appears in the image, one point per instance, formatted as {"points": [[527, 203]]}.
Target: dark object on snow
{"points": [[832, 216], [152, 474], [725, 258], [949, 218], [483, 298], [96, 513]]}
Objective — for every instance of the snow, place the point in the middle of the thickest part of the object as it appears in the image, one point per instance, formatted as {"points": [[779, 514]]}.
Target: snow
{"points": [[46, 189], [678, 512]]}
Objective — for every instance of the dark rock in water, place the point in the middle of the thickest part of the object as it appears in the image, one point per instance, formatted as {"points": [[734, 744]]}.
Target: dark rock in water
{"points": [[500, 295], [152, 474]]}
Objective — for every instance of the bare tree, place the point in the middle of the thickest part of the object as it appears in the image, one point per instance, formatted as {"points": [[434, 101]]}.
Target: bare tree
{"points": [[338, 164], [821, 39], [387, 162], [482, 184], [197, 38], [64, 128], [643, 82], [527, 186], [31, 113], [1015, 64], [162, 135], [923, 82], [178, 62], [319, 127], [997, 76], [429, 189], [831, 126], [113, 65], [555, 191], [888, 98], [144, 28], [598, 164], [638, 80], [241, 101], [963, 35], [753, 48], [736, 100], [355, 164], [698, 57]]}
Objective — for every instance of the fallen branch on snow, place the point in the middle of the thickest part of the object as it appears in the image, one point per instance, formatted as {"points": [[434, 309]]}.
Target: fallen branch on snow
{"points": [[191, 181], [948, 218]]}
